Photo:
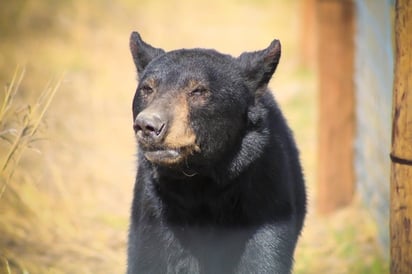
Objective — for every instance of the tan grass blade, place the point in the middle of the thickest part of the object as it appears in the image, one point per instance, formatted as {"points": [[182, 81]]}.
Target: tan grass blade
{"points": [[31, 122]]}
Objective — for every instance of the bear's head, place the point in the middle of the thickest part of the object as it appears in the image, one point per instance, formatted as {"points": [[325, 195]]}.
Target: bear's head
{"points": [[193, 105]]}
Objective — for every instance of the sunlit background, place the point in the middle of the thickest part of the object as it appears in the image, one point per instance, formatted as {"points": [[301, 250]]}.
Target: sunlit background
{"points": [[67, 150]]}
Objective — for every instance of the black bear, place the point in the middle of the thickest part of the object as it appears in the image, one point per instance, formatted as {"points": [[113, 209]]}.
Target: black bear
{"points": [[219, 187]]}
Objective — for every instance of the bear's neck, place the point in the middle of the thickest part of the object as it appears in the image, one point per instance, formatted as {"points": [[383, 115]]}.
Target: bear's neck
{"points": [[197, 199]]}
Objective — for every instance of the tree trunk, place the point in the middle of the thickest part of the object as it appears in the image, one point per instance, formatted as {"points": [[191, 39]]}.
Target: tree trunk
{"points": [[401, 155], [336, 179]]}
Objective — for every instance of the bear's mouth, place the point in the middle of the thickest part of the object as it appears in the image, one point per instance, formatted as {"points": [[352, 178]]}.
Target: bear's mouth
{"points": [[164, 156], [169, 156]]}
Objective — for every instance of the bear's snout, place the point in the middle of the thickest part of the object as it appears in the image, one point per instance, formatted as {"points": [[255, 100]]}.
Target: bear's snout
{"points": [[150, 126]]}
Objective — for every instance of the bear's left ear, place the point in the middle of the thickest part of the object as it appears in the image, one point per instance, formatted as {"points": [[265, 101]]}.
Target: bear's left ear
{"points": [[259, 66], [142, 52]]}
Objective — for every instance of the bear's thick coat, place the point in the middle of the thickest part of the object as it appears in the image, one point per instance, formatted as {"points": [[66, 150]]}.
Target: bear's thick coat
{"points": [[219, 187]]}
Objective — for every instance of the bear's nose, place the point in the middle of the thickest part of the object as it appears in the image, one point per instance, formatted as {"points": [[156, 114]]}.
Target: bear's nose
{"points": [[151, 125]]}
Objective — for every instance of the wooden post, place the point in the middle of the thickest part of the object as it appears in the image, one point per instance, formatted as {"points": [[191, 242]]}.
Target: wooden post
{"points": [[336, 179], [401, 155], [308, 34]]}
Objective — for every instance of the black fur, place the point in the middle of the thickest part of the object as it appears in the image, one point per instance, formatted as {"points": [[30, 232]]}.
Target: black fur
{"points": [[238, 204]]}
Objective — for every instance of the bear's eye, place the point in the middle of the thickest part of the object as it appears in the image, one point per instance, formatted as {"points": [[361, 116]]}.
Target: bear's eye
{"points": [[145, 90], [199, 92]]}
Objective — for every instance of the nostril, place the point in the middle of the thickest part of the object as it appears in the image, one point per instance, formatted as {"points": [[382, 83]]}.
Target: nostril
{"points": [[150, 128], [136, 127]]}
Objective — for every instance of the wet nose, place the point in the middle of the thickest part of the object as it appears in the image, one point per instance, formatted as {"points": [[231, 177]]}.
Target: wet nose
{"points": [[150, 125]]}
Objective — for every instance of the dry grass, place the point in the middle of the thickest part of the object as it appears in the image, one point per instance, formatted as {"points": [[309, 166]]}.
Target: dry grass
{"points": [[66, 210], [19, 130], [22, 134]]}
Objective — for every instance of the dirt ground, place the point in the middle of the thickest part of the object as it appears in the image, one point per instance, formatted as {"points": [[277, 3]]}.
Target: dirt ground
{"points": [[66, 209]]}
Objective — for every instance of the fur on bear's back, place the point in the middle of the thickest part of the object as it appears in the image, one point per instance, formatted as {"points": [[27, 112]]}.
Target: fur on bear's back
{"points": [[219, 187]]}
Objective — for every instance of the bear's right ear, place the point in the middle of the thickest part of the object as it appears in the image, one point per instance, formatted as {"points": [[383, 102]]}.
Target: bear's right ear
{"points": [[142, 52]]}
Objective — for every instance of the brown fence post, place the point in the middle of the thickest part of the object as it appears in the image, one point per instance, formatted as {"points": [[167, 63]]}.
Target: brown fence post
{"points": [[308, 34], [401, 155], [335, 23]]}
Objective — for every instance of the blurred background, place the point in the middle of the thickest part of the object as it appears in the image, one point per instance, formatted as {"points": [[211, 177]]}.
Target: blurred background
{"points": [[67, 150]]}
